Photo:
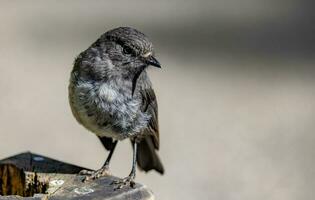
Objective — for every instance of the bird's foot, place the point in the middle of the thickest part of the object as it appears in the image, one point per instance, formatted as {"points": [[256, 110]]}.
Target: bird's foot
{"points": [[93, 175], [128, 181], [85, 172]]}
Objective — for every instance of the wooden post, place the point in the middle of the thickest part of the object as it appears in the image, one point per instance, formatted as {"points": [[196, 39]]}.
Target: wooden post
{"points": [[29, 176]]}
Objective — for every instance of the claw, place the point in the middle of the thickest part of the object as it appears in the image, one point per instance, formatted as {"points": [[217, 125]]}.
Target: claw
{"points": [[132, 184], [123, 183], [86, 172], [104, 171]]}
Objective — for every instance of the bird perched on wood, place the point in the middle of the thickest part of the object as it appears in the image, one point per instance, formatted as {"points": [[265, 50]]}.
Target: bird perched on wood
{"points": [[111, 95]]}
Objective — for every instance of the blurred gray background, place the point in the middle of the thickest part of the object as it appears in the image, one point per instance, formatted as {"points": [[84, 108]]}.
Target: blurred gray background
{"points": [[236, 92]]}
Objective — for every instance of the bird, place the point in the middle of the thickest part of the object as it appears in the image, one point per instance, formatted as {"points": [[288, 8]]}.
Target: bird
{"points": [[111, 95]]}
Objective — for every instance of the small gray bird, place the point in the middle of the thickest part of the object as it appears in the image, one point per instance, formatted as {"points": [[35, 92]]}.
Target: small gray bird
{"points": [[111, 95]]}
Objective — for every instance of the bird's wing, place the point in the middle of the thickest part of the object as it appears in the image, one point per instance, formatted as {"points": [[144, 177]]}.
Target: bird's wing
{"points": [[149, 105]]}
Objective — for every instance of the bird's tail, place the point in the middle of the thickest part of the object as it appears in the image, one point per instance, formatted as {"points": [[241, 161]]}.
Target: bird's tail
{"points": [[147, 157]]}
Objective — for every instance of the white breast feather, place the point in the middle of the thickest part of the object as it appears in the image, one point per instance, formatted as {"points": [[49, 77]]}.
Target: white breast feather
{"points": [[107, 93]]}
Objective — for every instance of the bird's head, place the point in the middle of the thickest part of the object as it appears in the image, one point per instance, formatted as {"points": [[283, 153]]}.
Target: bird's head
{"points": [[129, 50]]}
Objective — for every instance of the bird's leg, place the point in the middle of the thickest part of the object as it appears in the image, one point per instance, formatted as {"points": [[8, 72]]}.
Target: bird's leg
{"points": [[104, 171], [109, 157], [129, 180]]}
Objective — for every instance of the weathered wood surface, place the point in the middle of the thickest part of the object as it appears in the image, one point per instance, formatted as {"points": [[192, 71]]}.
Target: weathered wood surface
{"points": [[64, 183]]}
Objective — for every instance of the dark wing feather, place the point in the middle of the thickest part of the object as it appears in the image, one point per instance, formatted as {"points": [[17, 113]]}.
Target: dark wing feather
{"points": [[149, 105], [147, 157]]}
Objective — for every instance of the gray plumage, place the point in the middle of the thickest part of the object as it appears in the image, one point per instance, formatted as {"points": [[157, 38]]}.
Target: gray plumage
{"points": [[111, 94]]}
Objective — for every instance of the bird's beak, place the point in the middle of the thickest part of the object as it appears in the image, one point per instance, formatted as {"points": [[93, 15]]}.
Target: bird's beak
{"points": [[150, 60]]}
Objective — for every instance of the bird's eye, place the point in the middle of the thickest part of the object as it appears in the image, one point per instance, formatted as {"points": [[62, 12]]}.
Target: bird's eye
{"points": [[127, 50]]}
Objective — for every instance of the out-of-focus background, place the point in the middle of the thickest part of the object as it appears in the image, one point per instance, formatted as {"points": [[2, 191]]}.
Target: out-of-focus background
{"points": [[236, 92]]}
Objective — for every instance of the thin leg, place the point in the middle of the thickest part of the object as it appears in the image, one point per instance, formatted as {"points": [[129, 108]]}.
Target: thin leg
{"points": [[129, 180], [104, 171], [134, 161], [110, 154]]}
